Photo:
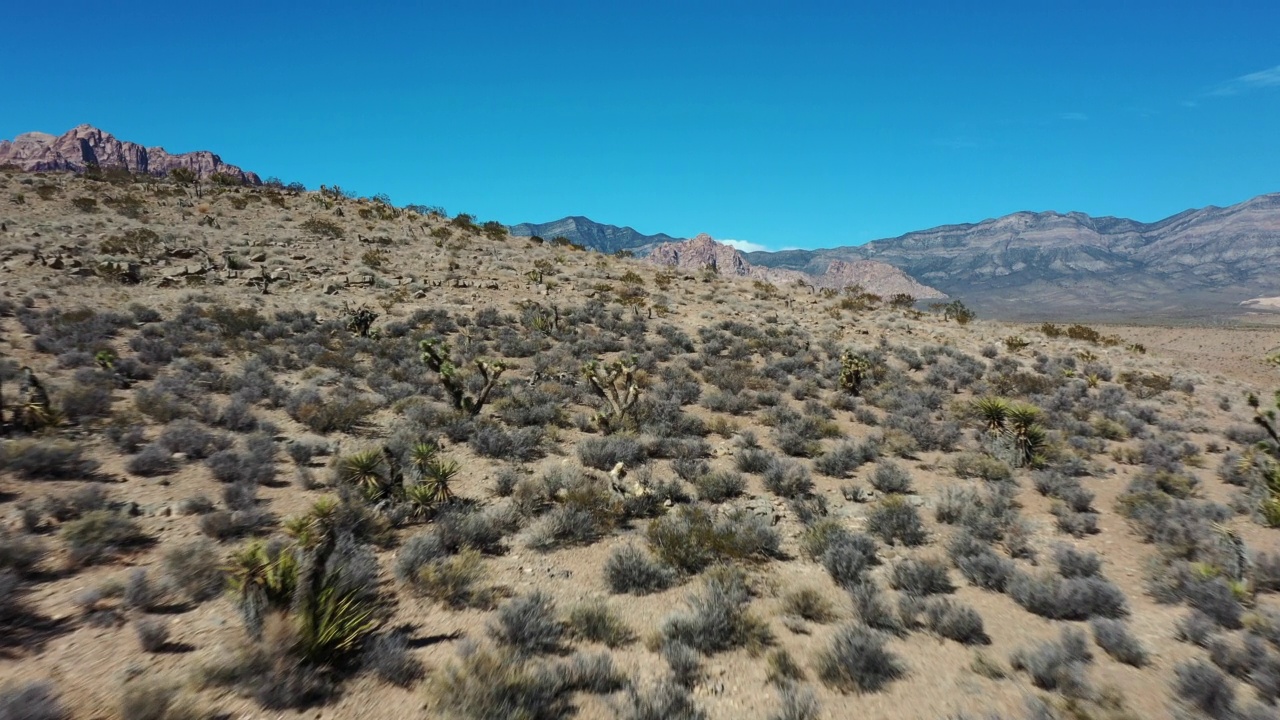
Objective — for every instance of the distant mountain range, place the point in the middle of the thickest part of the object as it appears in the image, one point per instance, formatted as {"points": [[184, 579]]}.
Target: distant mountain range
{"points": [[597, 236], [1048, 265], [85, 145]]}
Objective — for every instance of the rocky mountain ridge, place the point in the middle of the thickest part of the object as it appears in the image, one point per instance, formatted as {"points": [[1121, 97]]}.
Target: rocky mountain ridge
{"points": [[873, 276], [597, 236], [1047, 264], [85, 145]]}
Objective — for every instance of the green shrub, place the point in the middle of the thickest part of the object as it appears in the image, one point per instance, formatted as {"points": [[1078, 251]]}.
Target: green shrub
{"points": [[99, 535]]}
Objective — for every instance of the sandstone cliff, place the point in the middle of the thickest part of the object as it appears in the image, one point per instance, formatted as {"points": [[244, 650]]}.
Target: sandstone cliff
{"points": [[85, 145], [875, 277]]}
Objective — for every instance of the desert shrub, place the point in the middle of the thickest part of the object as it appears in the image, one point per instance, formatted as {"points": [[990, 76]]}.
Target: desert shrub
{"points": [[462, 527], [1114, 638], [1196, 628], [809, 604], [46, 460], [895, 521], [1074, 563], [139, 592], [336, 413], [689, 539], [753, 460], [631, 570], [497, 683], [971, 465], [979, 564], [36, 700], [719, 486], [523, 444], [955, 621], [920, 577], [847, 561], [858, 661], [787, 479], [528, 625], [820, 536], [190, 438], [153, 460], [889, 477], [387, 656], [690, 469], [597, 622], [845, 458], [1057, 664], [603, 453], [153, 633], [255, 466], [796, 703], [870, 607], [586, 510], [452, 580], [99, 535], [195, 570], [717, 618], [226, 524], [1204, 687], [19, 554], [684, 661], [1266, 572], [1058, 598], [667, 700]]}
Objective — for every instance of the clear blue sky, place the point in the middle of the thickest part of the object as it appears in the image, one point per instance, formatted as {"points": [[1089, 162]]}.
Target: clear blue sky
{"points": [[784, 124]]}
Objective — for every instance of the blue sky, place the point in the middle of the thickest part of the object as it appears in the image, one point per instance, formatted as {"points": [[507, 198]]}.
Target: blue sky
{"points": [[784, 124]]}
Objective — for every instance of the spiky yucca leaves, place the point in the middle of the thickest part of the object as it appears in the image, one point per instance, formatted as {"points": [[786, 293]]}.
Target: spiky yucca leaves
{"points": [[1029, 436], [436, 476], [420, 455], [262, 576], [1266, 458], [994, 412], [365, 471], [333, 624], [1019, 424], [317, 525]]}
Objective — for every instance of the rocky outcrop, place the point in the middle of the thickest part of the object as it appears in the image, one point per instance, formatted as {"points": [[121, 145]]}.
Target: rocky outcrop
{"points": [[701, 252], [874, 277], [85, 146]]}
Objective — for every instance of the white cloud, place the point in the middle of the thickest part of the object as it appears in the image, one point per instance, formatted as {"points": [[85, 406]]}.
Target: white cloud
{"points": [[744, 246], [1253, 81]]}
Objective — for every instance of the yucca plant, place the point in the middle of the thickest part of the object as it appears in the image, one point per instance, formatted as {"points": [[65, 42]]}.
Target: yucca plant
{"points": [[421, 455], [435, 480], [364, 470], [315, 526], [994, 412], [421, 499], [333, 624], [1029, 436], [262, 577]]}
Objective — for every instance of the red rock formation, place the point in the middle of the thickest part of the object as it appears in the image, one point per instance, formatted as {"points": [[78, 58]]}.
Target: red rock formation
{"points": [[86, 145], [875, 277]]}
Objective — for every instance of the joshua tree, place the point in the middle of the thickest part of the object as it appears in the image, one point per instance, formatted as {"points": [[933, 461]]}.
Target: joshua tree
{"points": [[854, 369], [436, 355], [615, 383]]}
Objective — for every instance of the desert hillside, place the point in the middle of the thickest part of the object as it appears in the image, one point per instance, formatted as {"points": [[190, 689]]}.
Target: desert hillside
{"points": [[286, 454]]}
